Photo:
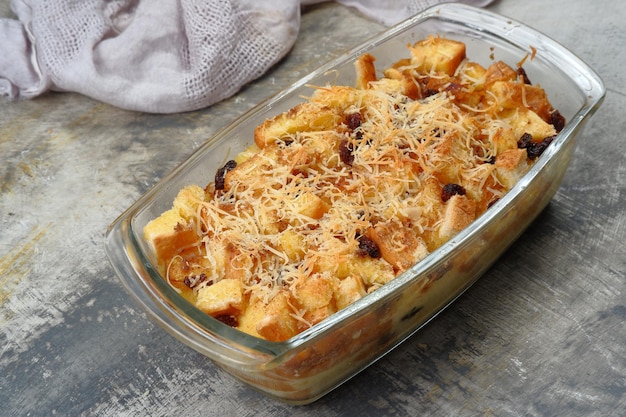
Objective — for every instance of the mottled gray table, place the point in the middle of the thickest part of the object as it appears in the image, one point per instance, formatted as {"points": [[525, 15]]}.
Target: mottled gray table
{"points": [[542, 333]]}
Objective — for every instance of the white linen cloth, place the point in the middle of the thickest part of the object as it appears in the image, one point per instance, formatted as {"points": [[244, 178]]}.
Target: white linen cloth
{"points": [[158, 56]]}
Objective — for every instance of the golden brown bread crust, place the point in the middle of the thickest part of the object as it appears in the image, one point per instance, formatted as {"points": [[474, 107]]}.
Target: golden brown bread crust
{"points": [[349, 189], [365, 71]]}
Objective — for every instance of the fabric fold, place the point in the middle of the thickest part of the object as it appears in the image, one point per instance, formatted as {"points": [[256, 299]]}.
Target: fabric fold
{"points": [[158, 56], [20, 75]]}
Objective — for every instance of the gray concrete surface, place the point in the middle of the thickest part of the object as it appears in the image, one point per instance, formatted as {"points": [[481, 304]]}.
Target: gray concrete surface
{"points": [[543, 333]]}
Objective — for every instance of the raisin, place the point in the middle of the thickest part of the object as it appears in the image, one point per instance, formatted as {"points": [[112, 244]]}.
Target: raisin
{"points": [[220, 175], [454, 87], [368, 247], [430, 92], [425, 89], [193, 281], [535, 149], [522, 74], [345, 152], [228, 320], [353, 120], [557, 120], [524, 141], [450, 190]]}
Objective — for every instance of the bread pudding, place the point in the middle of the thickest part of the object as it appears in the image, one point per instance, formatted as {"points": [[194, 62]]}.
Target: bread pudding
{"points": [[352, 187]]}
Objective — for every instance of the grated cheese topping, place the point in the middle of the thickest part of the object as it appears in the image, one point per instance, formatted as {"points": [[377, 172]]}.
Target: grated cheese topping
{"points": [[353, 191]]}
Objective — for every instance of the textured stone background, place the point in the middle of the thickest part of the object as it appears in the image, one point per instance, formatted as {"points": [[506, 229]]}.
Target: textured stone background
{"points": [[542, 333]]}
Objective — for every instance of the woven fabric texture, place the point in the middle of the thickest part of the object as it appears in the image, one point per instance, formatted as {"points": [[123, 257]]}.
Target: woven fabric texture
{"points": [[158, 56]]}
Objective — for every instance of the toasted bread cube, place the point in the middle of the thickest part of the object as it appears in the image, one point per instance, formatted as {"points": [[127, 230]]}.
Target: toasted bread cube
{"points": [[251, 170], [454, 150], [348, 290], [310, 205], [429, 200], [223, 297], [323, 148], [392, 73], [251, 315], [269, 222], [180, 268], [292, 244], [459, 213], [168, 233], [388, 85], [246, 154], [338, 97], [305, 117], [365, 71], [511, 165], [481, 185], [398, 245], [487, 191], [401, 64], [402, 81], [163, 226], [344, 262], [314, 292], [370, 270], [315, 316], [431, 191], [437, 55], [237, 265], [220, 256], [503, 137], [277, 323], [172, 230], [315, 296], [187, 201], [183, 210], [499, 71], [512, 95], [527, 121], [474, 73], [396, 80]]}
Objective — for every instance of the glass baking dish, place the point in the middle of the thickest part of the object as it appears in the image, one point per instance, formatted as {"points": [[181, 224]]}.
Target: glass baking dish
{"points": [[307, 366]]}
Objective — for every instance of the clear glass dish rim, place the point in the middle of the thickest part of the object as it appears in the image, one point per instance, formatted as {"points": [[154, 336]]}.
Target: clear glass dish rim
{"points": [[183, 320]]}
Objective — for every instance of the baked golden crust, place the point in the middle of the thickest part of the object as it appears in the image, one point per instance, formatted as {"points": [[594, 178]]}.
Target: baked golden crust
{"points": [[349, 189]]}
